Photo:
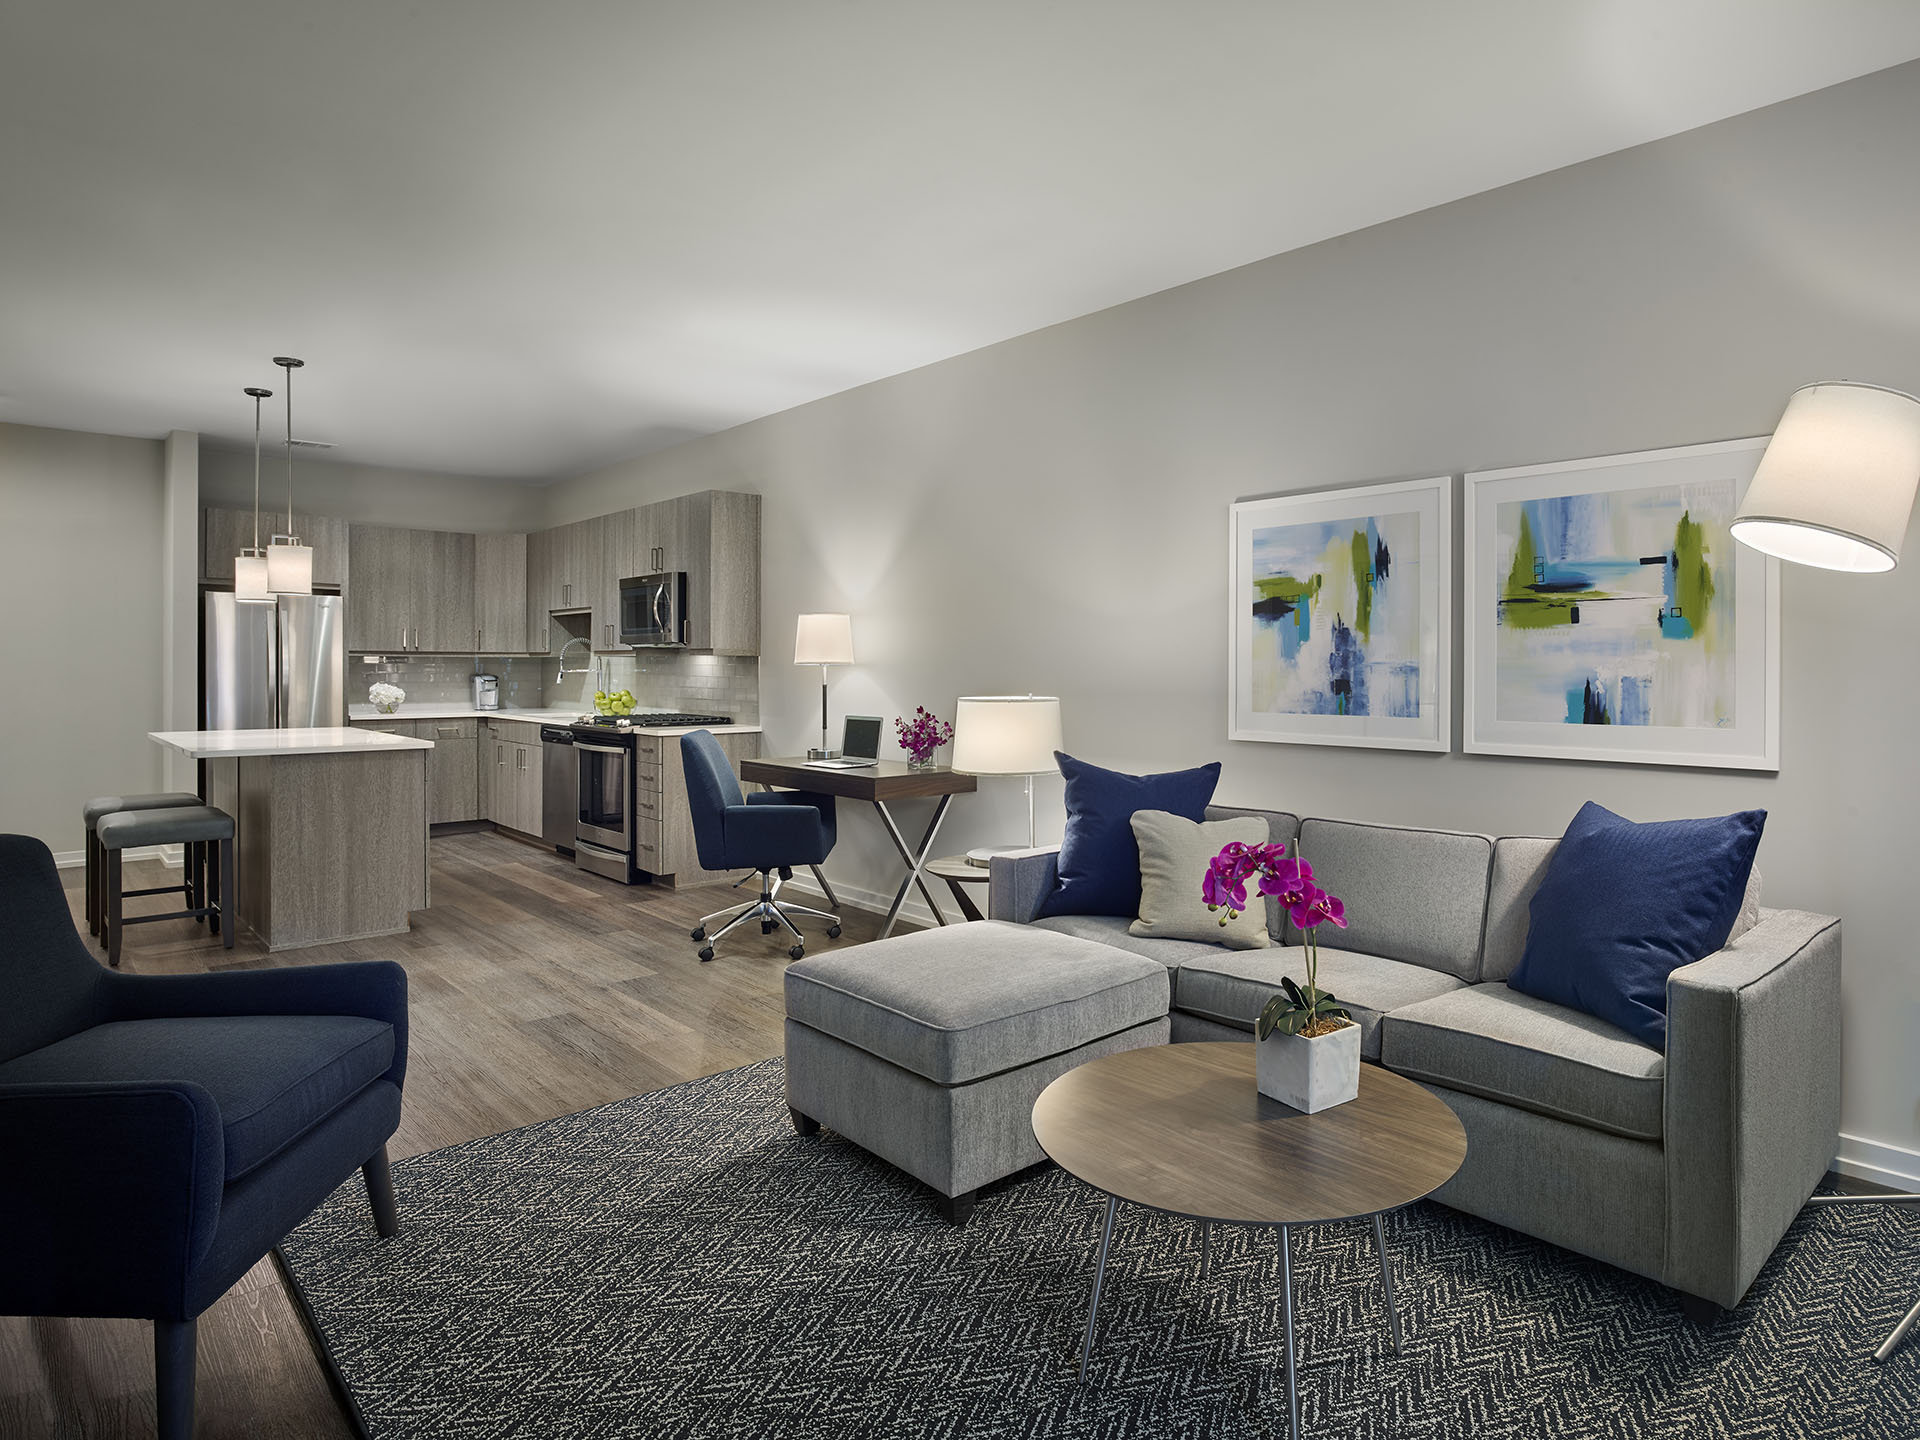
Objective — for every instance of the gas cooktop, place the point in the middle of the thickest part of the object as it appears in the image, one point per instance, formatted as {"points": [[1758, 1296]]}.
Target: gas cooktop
{"points": [[651, 721]]}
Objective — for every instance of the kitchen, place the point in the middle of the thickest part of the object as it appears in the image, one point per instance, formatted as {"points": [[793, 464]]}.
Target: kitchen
{"points": [[500, 643]]}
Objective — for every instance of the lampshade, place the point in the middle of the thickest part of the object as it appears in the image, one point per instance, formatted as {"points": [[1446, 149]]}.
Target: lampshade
{"points": [[1006, 734], [1836, 484], [823, 640], [250, 584], [289, 566]]}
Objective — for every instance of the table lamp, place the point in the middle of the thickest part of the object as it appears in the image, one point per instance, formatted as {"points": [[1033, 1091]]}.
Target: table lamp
{"points": [[1006, 735], [823, 640], [1834, 490]]}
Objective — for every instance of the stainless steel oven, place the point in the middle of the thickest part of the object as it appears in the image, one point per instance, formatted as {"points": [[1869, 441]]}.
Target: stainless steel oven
{"points": [[603, 827], [653, 610]]}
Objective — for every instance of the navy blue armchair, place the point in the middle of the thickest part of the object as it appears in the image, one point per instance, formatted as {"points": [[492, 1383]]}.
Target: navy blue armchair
{"points": [[769, 833], [163, 1133]]}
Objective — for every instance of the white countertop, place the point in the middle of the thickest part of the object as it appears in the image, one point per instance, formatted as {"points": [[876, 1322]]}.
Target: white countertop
{"points": [[243, 744], [461, 710]]}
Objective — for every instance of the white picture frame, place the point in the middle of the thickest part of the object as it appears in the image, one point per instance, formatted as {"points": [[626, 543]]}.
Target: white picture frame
{"points": [[1407, 666], [1726, 699]]}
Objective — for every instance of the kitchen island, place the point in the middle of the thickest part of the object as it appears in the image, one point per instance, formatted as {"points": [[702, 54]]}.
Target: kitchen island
{"points": [[330, 828]]}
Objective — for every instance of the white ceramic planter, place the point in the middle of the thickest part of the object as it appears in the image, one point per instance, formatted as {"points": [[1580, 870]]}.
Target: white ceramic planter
{"points": [[1309, 1075]]}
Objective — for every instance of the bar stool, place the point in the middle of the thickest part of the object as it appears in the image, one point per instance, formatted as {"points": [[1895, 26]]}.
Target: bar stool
{"points": [[200, 828], [108, 805]]}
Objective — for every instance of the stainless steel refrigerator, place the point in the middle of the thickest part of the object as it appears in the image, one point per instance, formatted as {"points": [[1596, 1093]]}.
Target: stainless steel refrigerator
{"points": [[276, 666]]}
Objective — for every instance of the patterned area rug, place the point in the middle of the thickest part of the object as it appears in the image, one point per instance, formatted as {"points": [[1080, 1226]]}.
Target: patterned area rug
{"points": [[682, 1263]]}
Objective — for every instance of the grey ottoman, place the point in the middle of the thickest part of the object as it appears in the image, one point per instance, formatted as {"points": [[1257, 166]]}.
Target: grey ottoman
{"points": [[929, 1049]]}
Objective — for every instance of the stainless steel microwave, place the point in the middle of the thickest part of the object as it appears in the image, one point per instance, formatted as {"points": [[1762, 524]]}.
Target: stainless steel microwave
{"points": [[653, 609]]}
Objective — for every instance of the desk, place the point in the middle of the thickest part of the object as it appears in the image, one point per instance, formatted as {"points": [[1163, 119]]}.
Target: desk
{"points": [[876, 784]]}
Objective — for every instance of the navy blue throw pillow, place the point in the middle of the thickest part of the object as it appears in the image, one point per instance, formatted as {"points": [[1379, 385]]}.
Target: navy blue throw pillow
{"points": [[1625, 905], [1099, 864]]}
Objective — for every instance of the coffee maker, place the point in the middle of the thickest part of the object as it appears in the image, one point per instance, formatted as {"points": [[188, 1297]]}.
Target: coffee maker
{"points": [[486, 692]]}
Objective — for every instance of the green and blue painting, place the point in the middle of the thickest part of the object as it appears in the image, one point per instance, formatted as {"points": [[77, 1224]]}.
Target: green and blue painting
{"points": [[1617, 608], [1336, 618]]}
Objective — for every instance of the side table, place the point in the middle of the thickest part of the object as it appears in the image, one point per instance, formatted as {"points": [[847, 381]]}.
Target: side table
{"points": [[959, 873]]}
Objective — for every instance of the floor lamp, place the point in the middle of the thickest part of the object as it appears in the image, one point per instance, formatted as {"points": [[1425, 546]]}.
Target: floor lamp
{"points": [[1834, 490], [1006, 735], [823, 640]]}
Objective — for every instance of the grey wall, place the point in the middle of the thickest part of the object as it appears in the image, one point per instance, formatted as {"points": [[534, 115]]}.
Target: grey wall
{"points": [[1050, 513], [81, 637], [372, 494]]}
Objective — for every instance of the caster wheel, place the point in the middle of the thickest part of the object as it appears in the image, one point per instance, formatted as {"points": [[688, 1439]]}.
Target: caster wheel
{"points": [[833, 932], [700, 933], [767, 927], [794, 952], [706, 952]]}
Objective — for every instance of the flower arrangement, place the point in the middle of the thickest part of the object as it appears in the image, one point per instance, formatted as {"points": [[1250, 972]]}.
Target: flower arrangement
{"points": [[1308, 1012], [922, 735], [386, 698]]}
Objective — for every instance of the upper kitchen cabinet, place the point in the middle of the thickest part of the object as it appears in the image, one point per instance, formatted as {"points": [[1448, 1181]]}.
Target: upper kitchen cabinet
{"points": [[619, 560], [412, 590], [500, 580], [225, 531], [442, 588], [715, 537]]}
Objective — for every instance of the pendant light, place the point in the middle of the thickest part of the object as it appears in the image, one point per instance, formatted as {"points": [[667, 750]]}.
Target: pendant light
{"points": [[250, 566], [289, 562]]}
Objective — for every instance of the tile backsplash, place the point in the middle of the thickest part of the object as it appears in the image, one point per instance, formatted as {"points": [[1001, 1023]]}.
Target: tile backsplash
{"points": [[668, 680], [660, 680], [436, 678]]}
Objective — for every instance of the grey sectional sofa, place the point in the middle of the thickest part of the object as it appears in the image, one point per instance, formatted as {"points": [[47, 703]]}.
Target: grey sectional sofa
{"points": [[1685, 1167]]}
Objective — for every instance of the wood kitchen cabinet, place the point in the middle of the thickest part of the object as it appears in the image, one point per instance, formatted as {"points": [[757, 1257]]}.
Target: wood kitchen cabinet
{"points": [[224, 531], [380, 596], [514, 781], [452, 766], [663, 816], [414, 590], [500, 594], [715, 537]]}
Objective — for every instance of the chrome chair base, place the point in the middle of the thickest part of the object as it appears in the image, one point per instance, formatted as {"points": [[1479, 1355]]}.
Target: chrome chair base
{"points": [[1906, 1326], [771, 912]]}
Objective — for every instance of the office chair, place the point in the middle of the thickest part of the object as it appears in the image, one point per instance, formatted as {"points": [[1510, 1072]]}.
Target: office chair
{"points": [[769, 833]]}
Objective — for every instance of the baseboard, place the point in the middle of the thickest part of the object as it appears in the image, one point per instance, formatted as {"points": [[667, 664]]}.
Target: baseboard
{"points": [[914, 910], [168, 855], [1889, 1165]]}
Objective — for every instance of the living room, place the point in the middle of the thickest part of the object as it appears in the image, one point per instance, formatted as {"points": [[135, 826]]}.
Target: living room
{"points": [[1013, 467]]}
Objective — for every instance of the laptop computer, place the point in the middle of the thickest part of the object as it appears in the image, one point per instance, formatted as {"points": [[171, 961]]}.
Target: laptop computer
{"points": [[859, 745]]}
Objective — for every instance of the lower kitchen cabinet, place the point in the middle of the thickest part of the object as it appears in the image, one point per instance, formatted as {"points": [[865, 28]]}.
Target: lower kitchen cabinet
{"points": [[453, 792], [512, 784]]}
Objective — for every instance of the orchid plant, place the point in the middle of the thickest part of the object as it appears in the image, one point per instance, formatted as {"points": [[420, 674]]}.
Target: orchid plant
{"points": [[1306, 1012], [923, 734]]}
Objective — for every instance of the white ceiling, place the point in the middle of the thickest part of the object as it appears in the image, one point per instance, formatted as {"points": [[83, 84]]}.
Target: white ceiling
{"points": [[517, 239]]}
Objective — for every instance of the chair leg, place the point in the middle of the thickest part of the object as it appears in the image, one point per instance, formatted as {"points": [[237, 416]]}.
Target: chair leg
{"points": [[93, 882], [226, 896], [173, 1367], [379, 1178], [111, 922], [190, 874]]}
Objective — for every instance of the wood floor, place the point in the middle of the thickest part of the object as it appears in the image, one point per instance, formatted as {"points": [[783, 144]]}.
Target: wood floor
{"points": [[535, 991]]}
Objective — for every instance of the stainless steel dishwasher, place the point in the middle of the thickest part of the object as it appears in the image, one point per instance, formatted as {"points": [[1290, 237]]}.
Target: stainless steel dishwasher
{"points": [[560, 787]]}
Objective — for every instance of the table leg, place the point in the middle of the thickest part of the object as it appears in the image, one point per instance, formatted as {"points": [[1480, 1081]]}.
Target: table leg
{"points": [[1286, 1291], [1099, 1275], [833, 902], [1900, 1333], [964, 900], [915, 859], [1386, 1281]]}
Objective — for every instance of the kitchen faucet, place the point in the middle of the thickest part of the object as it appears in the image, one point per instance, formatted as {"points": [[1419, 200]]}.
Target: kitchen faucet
{"points": [[564, 672]]}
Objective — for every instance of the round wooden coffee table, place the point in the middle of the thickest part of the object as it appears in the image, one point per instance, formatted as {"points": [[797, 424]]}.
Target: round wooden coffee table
{"points": [[1181, 1128]]}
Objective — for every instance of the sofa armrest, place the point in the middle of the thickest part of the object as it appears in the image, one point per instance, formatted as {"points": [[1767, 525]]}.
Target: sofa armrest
{"points": [[1752, 1098], [1018, 882], [112, 1197], [374, 989]]}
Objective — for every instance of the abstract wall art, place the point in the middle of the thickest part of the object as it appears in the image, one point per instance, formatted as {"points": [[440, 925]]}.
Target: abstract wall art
{"points": [[1610, 614], [1340, 622]]}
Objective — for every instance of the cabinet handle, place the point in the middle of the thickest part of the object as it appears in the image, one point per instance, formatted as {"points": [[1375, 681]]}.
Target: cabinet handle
{"points": [[476, 640]]}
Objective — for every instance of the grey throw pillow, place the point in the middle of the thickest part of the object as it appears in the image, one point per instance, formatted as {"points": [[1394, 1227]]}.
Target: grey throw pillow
{"points": [[1174, 852], [1749, 915]]}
